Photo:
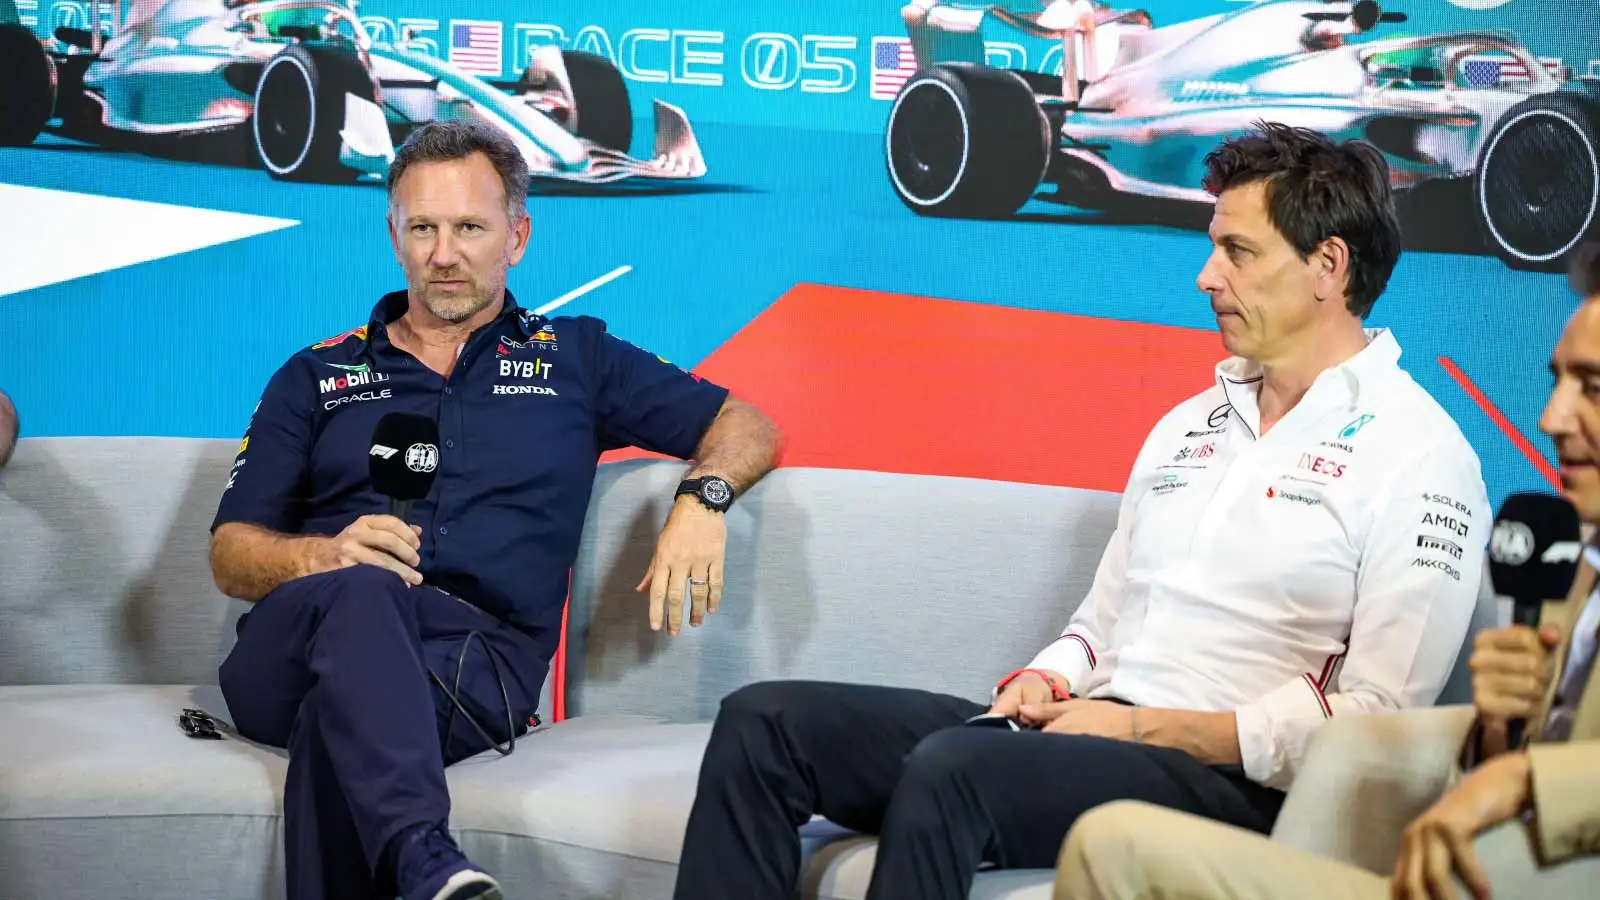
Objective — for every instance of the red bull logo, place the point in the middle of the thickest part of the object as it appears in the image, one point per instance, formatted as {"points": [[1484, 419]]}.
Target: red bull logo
{"points": [[357, 333]]}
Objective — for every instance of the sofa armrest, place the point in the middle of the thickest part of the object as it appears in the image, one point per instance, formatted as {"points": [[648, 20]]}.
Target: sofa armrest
{"points": [[1366, 777]]}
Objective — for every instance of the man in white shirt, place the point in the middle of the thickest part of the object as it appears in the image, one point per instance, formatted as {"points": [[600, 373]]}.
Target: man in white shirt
{"points": [[1303, 539], [1523, 821]]}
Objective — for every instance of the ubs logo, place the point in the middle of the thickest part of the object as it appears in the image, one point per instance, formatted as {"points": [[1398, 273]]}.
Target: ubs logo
{"points": [[1203, 451]]}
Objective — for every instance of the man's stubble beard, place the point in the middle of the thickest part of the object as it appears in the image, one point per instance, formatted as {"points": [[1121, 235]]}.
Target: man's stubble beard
{"points": [[462, 306]]}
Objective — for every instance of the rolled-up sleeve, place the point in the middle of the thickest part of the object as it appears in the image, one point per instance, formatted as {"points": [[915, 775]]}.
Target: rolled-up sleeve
{"points": [[1417, 586]]}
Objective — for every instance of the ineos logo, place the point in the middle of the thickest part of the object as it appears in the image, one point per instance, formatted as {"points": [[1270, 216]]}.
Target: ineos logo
{"points": [[422, 457], [1511, 543]]}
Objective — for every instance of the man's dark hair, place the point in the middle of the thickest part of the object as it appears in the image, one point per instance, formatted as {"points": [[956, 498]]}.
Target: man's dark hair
{"points": [[1583, 270], [459, 139], [1317, 189]]}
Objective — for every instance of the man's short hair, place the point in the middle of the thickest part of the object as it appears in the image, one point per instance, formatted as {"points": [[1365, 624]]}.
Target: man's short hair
{"points": [[1317, 189], [458, 139], [1583, 270]]}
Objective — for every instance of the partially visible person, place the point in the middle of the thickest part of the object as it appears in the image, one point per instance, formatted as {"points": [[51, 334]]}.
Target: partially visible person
{"points": [[1530, 810], [1302, 539], [10, 428]]}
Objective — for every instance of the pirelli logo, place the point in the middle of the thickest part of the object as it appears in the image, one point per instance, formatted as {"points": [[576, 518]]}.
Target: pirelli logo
{"points": [[1429, 542]]}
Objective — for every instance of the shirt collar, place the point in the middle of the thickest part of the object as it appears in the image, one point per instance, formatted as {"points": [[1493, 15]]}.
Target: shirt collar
{"points": [[1344, 383], [393, 305], [1591, 551]]}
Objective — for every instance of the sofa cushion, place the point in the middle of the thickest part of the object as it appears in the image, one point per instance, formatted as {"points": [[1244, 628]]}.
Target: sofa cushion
{"points": [[104, 575], [593, 807], [102, 776], [940, 583]]}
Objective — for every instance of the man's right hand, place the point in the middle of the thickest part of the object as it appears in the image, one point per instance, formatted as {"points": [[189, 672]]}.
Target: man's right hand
{"points": [[383, 541], [1511, 672], [1029, 688]]}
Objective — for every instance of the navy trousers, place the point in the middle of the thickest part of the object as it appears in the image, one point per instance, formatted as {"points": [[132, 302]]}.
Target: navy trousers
{"points": [[943, 798], [335, 668]]}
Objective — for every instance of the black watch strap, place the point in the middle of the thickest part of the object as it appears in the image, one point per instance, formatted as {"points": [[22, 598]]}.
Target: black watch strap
{"points": [[712, 492]]}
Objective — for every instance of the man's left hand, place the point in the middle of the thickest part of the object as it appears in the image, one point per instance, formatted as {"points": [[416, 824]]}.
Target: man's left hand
{"points": [[689, 554], [1101, 718], [1439, 841]]}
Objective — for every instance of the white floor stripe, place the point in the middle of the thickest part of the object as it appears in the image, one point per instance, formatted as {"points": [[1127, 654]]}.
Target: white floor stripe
{"points": [[579, 291], [49, 236]]}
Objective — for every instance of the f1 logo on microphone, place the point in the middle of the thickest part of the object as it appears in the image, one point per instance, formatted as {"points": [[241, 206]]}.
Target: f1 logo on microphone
{"points": [[381, 450]]}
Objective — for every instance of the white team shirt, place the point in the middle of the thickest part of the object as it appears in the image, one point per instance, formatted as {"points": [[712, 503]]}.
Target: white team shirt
{"points": [[1330, 567]]}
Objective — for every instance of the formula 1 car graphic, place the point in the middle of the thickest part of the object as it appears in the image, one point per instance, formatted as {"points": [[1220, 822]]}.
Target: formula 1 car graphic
{"points": [[966, 139], [301, 88]]}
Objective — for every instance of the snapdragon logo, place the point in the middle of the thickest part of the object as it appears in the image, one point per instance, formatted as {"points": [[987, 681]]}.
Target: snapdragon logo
{"points": [[1276, 493]]}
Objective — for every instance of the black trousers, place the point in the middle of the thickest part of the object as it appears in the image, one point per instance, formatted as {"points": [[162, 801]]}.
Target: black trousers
{"points": [[943, 798]]}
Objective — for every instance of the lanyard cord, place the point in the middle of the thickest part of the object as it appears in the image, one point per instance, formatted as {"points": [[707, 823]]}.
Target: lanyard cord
{"points": [[455, 698]]}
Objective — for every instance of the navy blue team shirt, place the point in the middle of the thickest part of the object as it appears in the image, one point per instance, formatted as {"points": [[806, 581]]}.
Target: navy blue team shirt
{"points": [[523, 419]]}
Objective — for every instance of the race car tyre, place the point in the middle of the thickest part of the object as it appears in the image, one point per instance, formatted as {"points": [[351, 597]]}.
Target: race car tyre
{"points": [[299, 111], [966, 141], [1537, 188], [27, 86], [600, 100]]}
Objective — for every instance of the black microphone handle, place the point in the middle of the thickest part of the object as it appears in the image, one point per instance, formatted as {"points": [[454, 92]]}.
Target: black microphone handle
{"points": [[1524, 611], [400, 509]]}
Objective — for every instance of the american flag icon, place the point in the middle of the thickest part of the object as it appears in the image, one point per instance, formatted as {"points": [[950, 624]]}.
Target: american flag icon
{"points": [[475, 47], [1495, 71], [893, 62]]}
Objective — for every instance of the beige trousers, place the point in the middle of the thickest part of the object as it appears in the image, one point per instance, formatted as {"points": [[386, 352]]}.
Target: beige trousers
{"points": [[1134, 851]]}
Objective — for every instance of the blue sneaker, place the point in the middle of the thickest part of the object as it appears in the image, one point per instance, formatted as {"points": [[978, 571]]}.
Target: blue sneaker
{"points": [[430, 866]]}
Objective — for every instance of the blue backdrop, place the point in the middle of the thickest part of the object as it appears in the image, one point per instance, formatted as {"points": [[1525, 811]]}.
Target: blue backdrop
{"points": [[167, 320]]}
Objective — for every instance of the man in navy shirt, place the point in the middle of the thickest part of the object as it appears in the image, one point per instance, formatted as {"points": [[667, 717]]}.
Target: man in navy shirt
{"points": [[359, 646]]}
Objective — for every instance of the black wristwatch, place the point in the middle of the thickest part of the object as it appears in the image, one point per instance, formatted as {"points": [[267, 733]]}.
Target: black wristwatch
{"points": [[710, 490]]}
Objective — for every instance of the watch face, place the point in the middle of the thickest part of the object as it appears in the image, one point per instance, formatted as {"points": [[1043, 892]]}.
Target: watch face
{"points": [[715, 490]]}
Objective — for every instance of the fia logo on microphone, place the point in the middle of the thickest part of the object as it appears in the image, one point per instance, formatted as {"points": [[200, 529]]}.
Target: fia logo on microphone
{"points": [[1511, 543], [421, 457]]}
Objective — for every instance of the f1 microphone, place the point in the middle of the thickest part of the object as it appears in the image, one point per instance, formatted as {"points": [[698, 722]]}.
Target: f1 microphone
{"points": [[1533, 557], [1533, 552], [404, 459]]}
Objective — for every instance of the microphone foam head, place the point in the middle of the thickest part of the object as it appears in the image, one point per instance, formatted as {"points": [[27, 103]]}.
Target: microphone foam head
{"points": [[404, 457], [1535, 546]]}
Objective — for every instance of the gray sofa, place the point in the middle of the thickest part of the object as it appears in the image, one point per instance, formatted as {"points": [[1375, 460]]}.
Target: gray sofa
{"points": [[109, 625]]}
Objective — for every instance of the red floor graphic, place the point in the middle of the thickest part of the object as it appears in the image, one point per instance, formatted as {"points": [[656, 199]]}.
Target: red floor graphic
{"points": [[1520, 441], [894, 383]]}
